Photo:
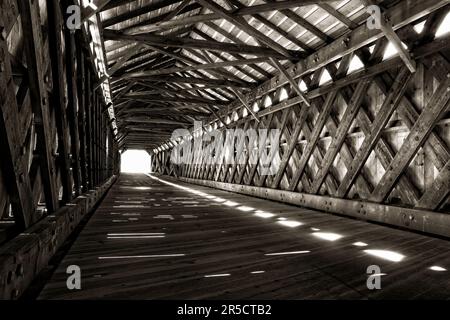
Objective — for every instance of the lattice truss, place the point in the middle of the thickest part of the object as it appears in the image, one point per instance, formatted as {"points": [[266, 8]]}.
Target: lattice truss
{"points": [[56, 141], [374, 130]]}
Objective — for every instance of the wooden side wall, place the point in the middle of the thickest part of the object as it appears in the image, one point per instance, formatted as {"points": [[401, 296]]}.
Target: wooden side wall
{"points": [[56, 139], [378, 135]]}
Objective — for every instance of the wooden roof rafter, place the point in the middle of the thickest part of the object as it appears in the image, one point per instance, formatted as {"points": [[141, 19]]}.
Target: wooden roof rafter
{"points": [[220, 55], [349, 42], [209, 49]]}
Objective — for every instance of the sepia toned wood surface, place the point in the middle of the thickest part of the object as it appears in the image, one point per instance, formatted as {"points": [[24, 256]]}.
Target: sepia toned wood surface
{"points": [[203, 239]]}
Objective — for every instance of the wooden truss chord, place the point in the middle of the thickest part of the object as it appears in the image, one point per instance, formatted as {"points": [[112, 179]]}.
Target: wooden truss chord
{"points": [[394, 39], [291, 80], [57, 55], [169, 24], [206, 66], [245, 103], [400, 15], [13, 161], [390, 104], [244, 26], [338, 139], [192, 43], [418, 133], [39, 99], [312, 141]]}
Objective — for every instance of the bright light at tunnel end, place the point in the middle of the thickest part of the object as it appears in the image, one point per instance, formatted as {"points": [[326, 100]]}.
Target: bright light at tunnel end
{"points": [[135, 161]]}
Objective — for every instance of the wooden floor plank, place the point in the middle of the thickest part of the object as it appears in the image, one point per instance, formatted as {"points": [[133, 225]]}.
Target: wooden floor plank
{"points": [[204, 237]]}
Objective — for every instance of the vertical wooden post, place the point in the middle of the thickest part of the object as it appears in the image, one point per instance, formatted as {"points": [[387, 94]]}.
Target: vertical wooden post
{"points": [[94, 139], [73, 109], [13, 161], [59, 97], [82, 83], [29, 14], [88, 107]]}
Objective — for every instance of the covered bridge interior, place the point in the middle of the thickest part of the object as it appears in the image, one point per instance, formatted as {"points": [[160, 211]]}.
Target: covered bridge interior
{"points": [[356, 174]]}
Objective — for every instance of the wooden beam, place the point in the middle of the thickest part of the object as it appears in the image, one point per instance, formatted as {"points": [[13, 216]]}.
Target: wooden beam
{"points": [[285, 34], [195, 88], [282, 126], [89, 126], [14, 164], [339, 16], [82, 87], [192, 43], [130, 14], [119, 45], [339, 137], [424, 221], [390, 34], [205, 66], [303, 23], [92, 9], [405, 108], [154, 120], [73, 107], [434, 147], [233, 38], [314, 138], [189, 61], [244, 26], [293, 140], [176, 89], [244, 102], [435, 195], [39, 99], [217, 116], [207, 58], [434, 20], [151, 97], [59, 97], [169, 24], [274, 27], [31, 251], [291, 80], [124, 90], [162, 111], [400, 15], [119, 63], [390, 104], [437, 105], [221, 73], [193, 80], [151, 24], [330, 180], [239, 151], [382, 150], [362, 185], [114, 55]]}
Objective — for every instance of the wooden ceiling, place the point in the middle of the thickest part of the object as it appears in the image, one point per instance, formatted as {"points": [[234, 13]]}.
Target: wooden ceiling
{"points": [[171, 62]]}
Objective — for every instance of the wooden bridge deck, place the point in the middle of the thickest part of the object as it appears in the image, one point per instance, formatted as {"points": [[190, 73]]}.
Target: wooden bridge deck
{"points": [[153, 240]]}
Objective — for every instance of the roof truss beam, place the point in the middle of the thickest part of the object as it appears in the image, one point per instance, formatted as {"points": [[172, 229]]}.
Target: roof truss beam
{"points": [[244, 26], [192, 80], [192, 44], [169, 24], [390, 34], [400, 15]]}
